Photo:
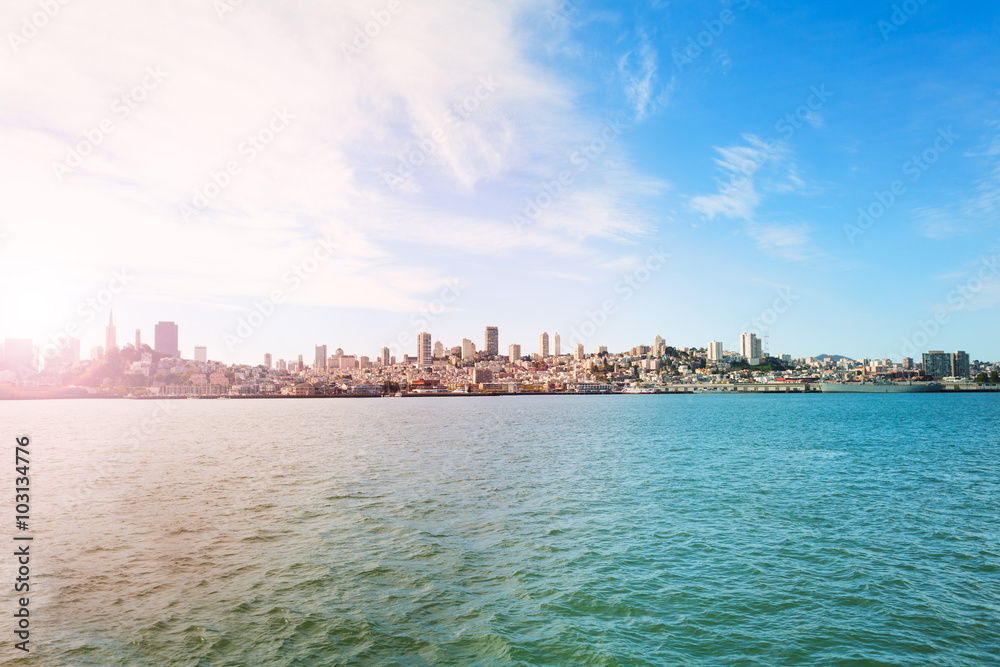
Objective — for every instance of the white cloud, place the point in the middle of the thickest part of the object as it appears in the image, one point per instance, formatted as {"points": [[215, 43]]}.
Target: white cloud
{"points": [[504, 127]]}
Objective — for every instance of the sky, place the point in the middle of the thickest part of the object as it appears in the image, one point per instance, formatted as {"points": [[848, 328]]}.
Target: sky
{"points": [[273, 175]]}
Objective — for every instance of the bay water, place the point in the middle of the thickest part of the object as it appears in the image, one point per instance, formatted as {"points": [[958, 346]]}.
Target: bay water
{"points": [[520, 530]]}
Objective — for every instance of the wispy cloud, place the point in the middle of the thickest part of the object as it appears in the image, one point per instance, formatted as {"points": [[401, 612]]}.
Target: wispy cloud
{"points": [[499, 127], [638, 69]]}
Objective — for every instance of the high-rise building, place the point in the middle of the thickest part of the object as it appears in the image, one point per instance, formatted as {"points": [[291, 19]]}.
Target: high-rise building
{"points": [[19, 356], [556, 346], [468, 349], [513, 352], [96, 352], [319, 363], [715, 351], [110, 337], [165, 339], [201, 353], [750, 348], [282, 365], [543, 344], [491, 342], [69, 352], [267, 360], [960, 364], [424, 347], [659, 346], [385, 356], [578, 352], [907, 363], [438, 350], [937, 363]]}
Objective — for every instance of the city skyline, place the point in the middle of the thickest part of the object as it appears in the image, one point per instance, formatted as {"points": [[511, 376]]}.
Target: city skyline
{"points": [[839, 203]]}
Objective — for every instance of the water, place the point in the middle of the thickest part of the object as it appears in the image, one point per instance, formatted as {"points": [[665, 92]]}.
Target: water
{"points": [[560, 530]]}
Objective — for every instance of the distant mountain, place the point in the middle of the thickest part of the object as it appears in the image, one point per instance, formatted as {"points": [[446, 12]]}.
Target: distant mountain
{"points": [[834, 357]]}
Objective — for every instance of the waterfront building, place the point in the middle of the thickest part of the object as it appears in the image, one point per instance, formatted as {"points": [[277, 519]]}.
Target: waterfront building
{"points": [[19, 355], [543, 345], [937, 363], [424, 347], [715, 351], [492, 341], [165, 339], [960, 364]]}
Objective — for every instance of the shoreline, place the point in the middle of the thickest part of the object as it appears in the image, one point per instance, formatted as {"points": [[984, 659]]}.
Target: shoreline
{"points": [[681, 390]]}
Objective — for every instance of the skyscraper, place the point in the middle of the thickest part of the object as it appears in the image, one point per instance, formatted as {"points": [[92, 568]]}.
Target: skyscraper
{"points": [[438, 350], [267, 360], [165, 339], [110, 339], [555, 344], [937, 363], [319, 363], [424, 347], [201, 353], [750, 347], [659, 346], [385, 356], [468, 349], [513, 352], [492, 341], [543, 344], [578, 353], [715, 351], [19, 356], [960, 364]]}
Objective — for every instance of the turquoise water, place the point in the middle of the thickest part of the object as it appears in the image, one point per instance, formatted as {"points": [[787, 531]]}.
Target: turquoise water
{"points": [[562, 530]]}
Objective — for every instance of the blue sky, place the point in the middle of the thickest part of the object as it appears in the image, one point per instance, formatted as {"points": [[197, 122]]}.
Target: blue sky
{"points": [[518, 164]]}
